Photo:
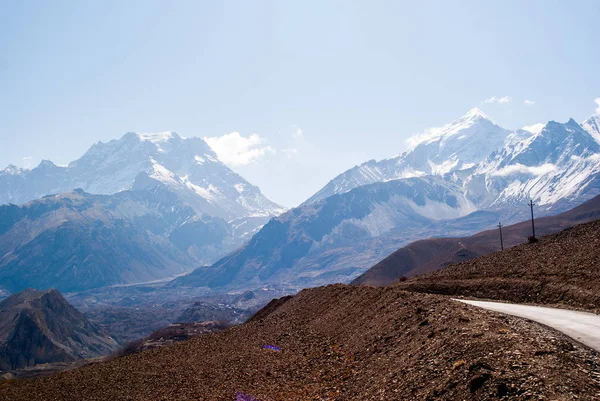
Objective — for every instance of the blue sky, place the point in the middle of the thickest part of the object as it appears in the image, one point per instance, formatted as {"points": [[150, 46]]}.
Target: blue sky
{"points": [[324, 85]]}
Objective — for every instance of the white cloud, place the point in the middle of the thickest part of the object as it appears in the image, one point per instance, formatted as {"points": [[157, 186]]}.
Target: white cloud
{"points": [[290, 152], [298, 133], [522, 169], [529, 102], [502, 100], [593, 158], [597, 100], [235, 150]]}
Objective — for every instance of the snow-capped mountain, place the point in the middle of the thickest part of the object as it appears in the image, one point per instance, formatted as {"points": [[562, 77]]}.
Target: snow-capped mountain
{"points": [[141, 208], [455, 146], [558, 163], [548, 163], [187, 166]]}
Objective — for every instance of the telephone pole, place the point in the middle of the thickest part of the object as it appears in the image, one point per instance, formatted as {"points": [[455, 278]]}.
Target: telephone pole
{"points": [[501, 241], [531, 205]]}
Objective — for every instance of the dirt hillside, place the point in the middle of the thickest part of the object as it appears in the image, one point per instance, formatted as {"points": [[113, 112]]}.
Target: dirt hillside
{"points": [[563, 268], [344, 343]]}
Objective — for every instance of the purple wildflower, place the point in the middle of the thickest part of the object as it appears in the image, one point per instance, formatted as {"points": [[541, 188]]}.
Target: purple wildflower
{"points": [[245, 397], [274, 348]]}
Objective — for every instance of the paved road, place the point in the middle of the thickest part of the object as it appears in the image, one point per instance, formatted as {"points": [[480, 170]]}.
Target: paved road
{"points": [[582, 326]]}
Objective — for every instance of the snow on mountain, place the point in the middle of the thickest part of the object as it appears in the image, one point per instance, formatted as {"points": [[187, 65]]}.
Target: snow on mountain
{"points": [[592, 125], [438, 151], [187, 166]]}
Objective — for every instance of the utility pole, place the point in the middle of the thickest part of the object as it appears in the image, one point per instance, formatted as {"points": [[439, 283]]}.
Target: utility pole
{"points": [[501, 241], [531, 205]]}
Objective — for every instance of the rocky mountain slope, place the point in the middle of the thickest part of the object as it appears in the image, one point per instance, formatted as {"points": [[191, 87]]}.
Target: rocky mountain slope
{"points": [[561, 268], [345, 343], [436, 253], [39, 327], [339, 237]]}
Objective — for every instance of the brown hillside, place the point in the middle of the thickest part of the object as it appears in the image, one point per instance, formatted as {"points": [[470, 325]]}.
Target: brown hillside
{"points": [[563, 268], [344, 343], [436, 253]]}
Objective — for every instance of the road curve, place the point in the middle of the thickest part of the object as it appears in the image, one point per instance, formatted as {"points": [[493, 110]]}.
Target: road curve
{"points": [[581, 326]]}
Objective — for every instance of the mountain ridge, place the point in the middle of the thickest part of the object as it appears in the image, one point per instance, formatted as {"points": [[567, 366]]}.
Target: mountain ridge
{"points": [[78, 241], [186, 165]]}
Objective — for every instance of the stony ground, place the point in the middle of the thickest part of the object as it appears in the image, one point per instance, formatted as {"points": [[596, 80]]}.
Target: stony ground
{"points": [[560, 269], [344, 343], [175, 332]]}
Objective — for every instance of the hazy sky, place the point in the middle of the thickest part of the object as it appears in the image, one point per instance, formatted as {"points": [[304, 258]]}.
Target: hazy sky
{"points": [[291, 92]]}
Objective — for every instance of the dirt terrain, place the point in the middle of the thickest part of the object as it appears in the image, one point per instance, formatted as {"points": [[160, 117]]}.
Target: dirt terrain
{"points": [[344, 343], [171, 334], [560, 269]]}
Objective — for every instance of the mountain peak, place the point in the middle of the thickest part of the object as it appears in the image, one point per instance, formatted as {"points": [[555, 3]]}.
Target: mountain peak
{"points": [[12, 170], [473, 117], [46, 164], [157, 137], [572, 122], [475, 113]]}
